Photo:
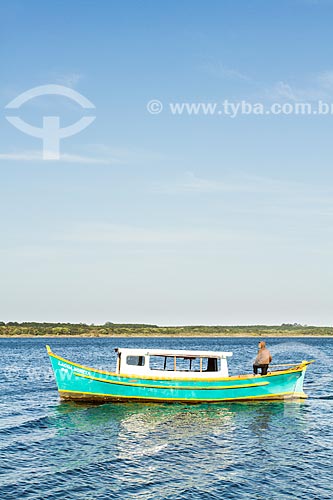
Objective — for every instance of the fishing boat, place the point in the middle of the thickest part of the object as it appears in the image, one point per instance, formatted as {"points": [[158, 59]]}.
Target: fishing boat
{"points": [[159, 375]]}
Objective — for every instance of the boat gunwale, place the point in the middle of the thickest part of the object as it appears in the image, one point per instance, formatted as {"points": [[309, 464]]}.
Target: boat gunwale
{"points": [[298, 367]]}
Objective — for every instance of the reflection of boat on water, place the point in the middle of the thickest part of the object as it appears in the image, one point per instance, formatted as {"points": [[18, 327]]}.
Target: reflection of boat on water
{"points": [[136, 447], [138, 430], [142, 418], [171, 376]]}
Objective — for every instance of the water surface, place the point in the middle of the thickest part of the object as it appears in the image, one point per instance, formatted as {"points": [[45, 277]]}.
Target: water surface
{"points": [[51, 450]]}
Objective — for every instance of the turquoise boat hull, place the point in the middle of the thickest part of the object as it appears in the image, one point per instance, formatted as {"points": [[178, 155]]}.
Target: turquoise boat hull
{"points": [[81, 383]]}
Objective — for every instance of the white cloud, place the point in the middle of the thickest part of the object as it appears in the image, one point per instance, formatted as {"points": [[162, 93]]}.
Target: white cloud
{"points": [[276, 195], [72, 158], [193, 184], [90, 153], [122, 233], [190, 183], [123, 155], [69, 79], [325, 80], [27, 156], [318, 87], [284, 90], [221, 71], [313, 88]]}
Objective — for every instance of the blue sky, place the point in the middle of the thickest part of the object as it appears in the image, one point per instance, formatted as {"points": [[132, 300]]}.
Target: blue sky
{"points": [[161, 218]]}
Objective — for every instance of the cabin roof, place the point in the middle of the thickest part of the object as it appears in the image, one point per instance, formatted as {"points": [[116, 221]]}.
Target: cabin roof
{"points": [[171, 353]]}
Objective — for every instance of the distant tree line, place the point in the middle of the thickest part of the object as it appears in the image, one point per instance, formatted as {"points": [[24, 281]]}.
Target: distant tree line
{"points": [[14, 328]]}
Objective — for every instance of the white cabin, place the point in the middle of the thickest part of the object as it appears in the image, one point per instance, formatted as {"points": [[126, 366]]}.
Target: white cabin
{"points": [[162, 363]]}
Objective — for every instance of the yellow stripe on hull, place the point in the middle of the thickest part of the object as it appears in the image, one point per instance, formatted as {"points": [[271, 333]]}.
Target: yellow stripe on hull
{"points": [[132, 384], [89, 396]]}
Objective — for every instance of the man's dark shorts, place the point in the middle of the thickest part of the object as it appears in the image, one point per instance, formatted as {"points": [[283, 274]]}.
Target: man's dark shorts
{"points": [[263, 368]]}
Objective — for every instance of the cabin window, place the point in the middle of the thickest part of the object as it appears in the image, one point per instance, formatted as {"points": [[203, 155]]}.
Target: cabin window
{"points": [[184, 364], [135, 360], [189, 364], [213, 365], [161, 363]]}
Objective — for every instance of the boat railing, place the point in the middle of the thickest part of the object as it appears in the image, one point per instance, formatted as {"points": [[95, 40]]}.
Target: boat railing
{"points": [[289, 366], [286, 364]]}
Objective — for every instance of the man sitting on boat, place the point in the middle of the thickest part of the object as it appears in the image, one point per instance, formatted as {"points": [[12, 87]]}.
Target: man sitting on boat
{"points": [[262, 360]]}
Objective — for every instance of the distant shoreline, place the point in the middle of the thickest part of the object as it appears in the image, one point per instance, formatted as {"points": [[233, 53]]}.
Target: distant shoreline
{"points": [[252, 335], [138, 330]]}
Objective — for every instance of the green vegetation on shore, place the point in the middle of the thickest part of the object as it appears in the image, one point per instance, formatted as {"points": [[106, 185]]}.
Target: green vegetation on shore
{"points": [[136, 330]]}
